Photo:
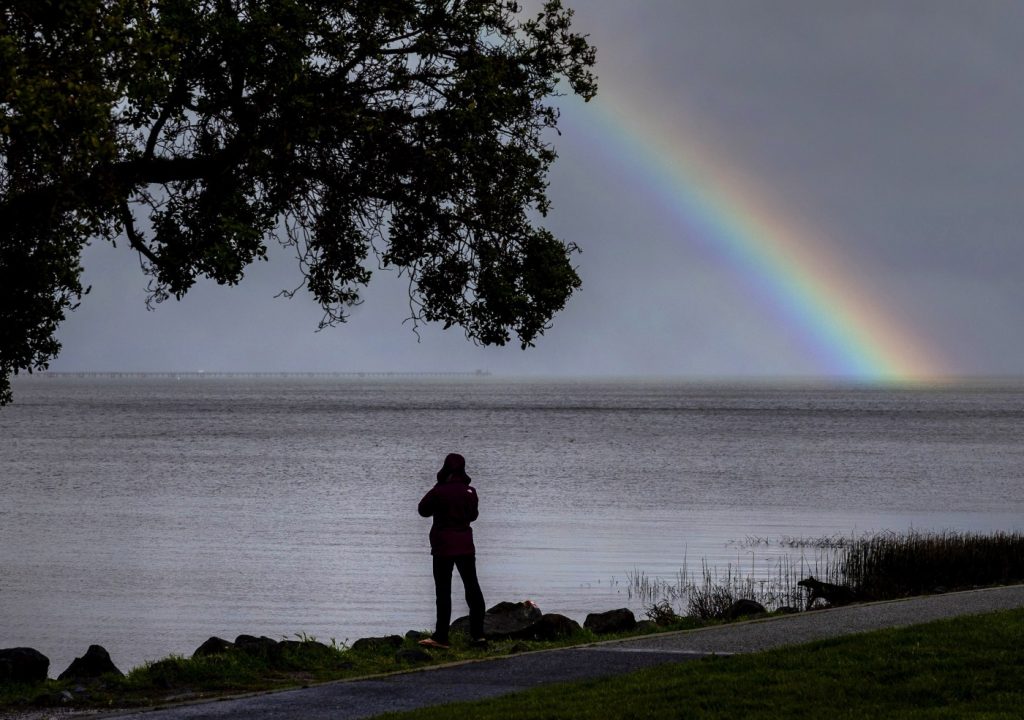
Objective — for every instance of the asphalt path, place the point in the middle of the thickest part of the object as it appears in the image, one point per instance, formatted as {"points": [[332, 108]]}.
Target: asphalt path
{"points": [[348, 700]]}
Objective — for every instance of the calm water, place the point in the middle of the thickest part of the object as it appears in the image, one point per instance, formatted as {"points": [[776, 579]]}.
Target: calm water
{"points": [[146, 515]]}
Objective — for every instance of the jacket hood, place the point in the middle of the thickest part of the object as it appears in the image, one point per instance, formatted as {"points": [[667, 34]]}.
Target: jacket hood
{"points": [[454, 468]]}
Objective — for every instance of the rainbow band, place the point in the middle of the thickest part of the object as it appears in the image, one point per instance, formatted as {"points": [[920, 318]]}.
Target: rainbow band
{"points": [[791, 274]]}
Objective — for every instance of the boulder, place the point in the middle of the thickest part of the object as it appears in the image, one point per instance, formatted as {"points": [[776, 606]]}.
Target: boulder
{"points": [[742, 608], [302, 654], [376, 644], [95, 663], [23, 665], [290, 646], [503, 620], [550, 626], [309, 648], [412, 656], [416, 635], [213, 646], [258, 646], [613, 621]]}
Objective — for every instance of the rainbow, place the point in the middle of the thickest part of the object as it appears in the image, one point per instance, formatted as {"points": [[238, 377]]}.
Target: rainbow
{"points": [[791, 273]]}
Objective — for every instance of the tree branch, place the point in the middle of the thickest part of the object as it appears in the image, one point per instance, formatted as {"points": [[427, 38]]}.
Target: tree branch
{"points": [[174, 99], [134, 238]]}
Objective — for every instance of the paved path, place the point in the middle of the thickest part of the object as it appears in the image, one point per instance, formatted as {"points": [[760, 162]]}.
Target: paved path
{"points": [[348, 700]]}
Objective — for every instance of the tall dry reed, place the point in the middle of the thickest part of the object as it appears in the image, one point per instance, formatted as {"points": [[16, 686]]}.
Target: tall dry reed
{"points": [[891, 565]]}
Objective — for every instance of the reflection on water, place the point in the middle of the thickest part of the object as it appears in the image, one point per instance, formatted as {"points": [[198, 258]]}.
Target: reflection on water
{"points": [[148, 515]]}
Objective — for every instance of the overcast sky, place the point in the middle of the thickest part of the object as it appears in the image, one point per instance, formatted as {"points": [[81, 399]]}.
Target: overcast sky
{"points": [[895, 127]]}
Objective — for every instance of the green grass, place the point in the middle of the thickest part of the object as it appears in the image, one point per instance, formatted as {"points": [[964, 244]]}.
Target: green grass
{"points": [[970, 667]]}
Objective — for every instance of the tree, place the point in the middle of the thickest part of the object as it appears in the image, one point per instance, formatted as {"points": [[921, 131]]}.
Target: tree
{"points": [[411, 132]]}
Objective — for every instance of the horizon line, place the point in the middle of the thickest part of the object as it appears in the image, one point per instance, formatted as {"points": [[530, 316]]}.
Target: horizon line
{"points": [[836, 379]]}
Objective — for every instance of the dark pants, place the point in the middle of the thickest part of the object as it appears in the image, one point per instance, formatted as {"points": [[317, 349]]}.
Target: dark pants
{"points": [[443, 588]]}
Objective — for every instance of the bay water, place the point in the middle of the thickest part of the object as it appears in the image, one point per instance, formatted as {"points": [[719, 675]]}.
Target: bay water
{"points": [[147, 514]]}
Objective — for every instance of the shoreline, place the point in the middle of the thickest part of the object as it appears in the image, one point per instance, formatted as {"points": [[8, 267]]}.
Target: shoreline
{"points": [[348, 698]]}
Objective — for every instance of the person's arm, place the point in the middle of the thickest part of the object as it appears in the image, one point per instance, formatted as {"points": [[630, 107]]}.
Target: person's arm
{"points": [[473, 506], [426, 506]]}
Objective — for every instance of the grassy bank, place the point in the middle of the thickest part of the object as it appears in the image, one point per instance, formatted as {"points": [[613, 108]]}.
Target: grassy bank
{"points": [[969, 667], [294, 664]]}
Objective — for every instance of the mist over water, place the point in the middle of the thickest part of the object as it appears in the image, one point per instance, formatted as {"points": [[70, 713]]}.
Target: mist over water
{"points": [[148, 514]]}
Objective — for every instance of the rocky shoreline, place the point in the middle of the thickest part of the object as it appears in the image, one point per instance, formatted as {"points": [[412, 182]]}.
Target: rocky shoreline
{"points": [[517, 621]]}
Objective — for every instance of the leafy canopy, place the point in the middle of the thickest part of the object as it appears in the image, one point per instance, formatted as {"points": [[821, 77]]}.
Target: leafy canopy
{"points": [[409, 132]]}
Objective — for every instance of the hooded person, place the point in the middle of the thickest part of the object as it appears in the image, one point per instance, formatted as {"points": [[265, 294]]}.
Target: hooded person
{"points": [[453, 504]]}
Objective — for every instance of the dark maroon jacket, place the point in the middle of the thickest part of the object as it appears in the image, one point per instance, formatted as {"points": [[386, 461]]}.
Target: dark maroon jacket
{"points": [[453, 505]]}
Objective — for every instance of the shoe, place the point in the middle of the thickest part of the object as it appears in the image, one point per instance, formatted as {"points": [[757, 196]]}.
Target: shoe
{"points": [[432, 643]]}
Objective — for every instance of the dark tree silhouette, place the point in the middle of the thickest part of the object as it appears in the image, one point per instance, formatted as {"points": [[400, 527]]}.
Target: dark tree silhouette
{"points": [[412, 133]]}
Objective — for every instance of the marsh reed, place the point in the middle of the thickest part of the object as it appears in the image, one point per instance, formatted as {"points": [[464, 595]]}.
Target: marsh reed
{"points": [[891, 565], [875, 566], [709, 592]]}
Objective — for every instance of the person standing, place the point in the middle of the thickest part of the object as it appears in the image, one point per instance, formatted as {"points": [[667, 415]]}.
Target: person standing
{"points": [[453, 504]]}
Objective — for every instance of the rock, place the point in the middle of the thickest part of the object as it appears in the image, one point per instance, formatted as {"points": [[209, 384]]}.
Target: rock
{"points": [[550, 626], [376, 644], [23, 665], [260, 646], [742, 608], [412, 656], [613, 621], [304, 646], [416, 635], [461, 625], [301, 654], [647, 625], [503, 620], [95, 663], [213, 646]]}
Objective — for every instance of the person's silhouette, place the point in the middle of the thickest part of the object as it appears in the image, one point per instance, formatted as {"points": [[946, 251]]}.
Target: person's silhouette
{"points": [[454, 505]]}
